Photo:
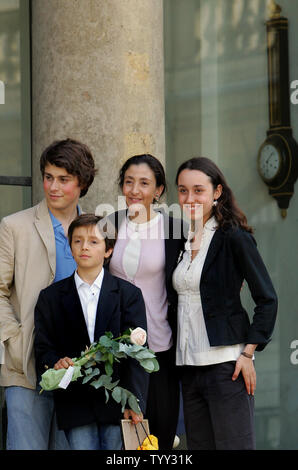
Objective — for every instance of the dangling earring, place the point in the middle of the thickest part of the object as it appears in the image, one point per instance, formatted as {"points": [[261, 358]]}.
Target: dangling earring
{"points": [[157, 198], [215, 203]]}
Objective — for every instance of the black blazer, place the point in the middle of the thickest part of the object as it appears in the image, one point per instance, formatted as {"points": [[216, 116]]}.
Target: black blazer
{"points": [[175, 232], [232, 258], [60, 330]]}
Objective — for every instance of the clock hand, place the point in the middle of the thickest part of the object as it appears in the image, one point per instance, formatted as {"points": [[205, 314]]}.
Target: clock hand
{"points": [[268, 159]]}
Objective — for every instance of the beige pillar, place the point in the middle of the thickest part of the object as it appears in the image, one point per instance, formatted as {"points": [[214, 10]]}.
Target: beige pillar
{"points": [[97, 76]]}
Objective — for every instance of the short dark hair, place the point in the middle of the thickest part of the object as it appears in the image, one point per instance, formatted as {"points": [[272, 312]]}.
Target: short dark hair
{"points": [[153, 163], [105, 227], [75, 157]]}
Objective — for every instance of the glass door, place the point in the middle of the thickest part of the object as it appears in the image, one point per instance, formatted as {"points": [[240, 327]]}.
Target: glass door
{"points": [[15, 121], [15, 110]]}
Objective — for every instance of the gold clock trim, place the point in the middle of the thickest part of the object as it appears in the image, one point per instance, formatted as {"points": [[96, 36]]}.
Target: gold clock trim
{"points": [[281, 128], [276, 22], [283, 194]]}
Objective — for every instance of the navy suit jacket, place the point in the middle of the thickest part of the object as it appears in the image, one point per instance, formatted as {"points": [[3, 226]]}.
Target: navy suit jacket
{"points": [[60, 330]]}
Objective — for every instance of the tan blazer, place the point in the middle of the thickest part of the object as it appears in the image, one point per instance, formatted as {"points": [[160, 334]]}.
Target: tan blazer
{"points": [[27, 265]]}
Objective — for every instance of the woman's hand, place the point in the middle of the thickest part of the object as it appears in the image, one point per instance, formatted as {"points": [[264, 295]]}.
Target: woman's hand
{"points": [[63, 363], [246, 366], [130, 414]]}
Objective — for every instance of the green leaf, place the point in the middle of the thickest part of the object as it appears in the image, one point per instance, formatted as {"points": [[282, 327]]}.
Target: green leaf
{"points": [[136, 348], [105, 341], [99, 382], [104, 381], [108, 368], [145, 354], [82, 361], [150, 365], [107, 395], [90, 376], [123, 348], [89, 364], [124, 397], [112, 385], [133, 403], [116, 359], [156, 364], [130, 349], [104, 357], [110, 358], [97, 356], [116, 394]]}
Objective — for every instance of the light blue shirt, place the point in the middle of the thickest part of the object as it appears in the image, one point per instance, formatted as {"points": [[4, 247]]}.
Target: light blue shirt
{"points": [[65, 264]]}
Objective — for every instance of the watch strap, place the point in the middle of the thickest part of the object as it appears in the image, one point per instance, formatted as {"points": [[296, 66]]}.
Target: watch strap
{"points": [[245, 354]]}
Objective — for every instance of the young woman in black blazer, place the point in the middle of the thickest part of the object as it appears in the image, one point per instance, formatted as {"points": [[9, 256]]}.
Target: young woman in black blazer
{"points": [[216, 340], [146, 253]]}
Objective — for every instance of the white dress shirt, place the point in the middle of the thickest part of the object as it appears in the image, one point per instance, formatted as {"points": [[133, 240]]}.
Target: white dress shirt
{"points": [[89, 295]]}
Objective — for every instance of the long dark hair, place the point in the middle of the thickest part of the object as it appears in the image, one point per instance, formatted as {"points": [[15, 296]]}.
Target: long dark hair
{"points": [[226, 212], [154, 165]]}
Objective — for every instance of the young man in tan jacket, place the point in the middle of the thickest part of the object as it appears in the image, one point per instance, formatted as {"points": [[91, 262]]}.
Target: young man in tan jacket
{"points": [[34, 253]]}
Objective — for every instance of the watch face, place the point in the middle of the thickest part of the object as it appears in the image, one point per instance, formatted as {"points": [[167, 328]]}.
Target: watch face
{"points": [[269, 162]]}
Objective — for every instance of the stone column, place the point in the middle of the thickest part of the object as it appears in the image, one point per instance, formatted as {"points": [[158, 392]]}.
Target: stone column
{"points": [[98, 76]]}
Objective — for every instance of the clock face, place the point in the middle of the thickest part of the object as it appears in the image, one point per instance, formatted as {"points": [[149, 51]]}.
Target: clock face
{"points": [[269, 162]]}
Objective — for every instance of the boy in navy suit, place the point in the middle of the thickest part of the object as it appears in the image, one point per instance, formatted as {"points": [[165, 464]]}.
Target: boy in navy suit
{"points": [[75, 312]]}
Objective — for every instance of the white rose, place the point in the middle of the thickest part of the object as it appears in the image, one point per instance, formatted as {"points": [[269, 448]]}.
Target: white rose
{"points": [[138, 336]]}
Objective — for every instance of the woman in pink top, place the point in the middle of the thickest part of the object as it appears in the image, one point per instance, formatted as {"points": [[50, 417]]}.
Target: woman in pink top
{"points": [[146, 253]]}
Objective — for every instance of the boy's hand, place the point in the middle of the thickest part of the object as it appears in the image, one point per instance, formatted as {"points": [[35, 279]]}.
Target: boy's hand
{"points": [[63, 363], [130, 414]]}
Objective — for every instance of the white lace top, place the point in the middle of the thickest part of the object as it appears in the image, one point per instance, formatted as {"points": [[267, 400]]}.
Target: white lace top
{"points": [[193, 347]]}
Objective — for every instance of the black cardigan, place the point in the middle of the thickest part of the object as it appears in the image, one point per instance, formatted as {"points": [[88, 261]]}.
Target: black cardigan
{"points": [[232, 258]]}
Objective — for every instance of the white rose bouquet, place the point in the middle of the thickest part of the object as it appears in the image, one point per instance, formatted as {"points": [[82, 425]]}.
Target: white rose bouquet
{"points": [[105, 352]]}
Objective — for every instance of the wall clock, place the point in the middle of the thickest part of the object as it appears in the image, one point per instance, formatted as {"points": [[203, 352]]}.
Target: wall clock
{"points": [[278, 155]]}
